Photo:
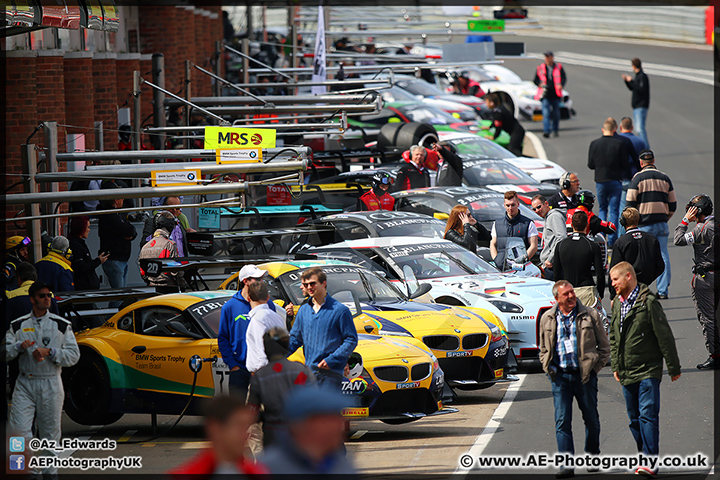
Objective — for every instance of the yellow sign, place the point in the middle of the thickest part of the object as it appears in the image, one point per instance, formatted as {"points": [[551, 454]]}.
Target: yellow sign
{"points": [[499, 373], [239, 156], [356, 412], [175, 178], [231, 138]]}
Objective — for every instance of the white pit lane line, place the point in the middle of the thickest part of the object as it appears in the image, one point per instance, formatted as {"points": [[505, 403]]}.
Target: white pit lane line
{"points": [[537, 145], [483, 440], [623, 65]]}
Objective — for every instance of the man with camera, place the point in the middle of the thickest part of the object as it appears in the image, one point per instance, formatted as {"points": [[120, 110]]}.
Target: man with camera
{"points": [[704, 290]]}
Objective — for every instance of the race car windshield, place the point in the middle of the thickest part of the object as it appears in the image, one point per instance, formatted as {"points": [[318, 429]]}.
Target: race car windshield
{"points": [[209, 313], [490, 209], [346, 284], [412, 228], [420, 87], [424, 114], [481, 146], [481, 173], [437, 261]]}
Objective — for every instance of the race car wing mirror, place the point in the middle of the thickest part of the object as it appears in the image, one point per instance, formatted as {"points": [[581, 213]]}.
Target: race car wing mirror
{"points": [[411, 281], [422, 290], [180, 328]]}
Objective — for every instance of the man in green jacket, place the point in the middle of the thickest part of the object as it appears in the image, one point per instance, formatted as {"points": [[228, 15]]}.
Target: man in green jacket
{"points": [[640, 337]]}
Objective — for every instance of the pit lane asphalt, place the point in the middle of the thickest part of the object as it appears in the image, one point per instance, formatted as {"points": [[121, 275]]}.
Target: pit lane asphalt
{"points": [[680, 129]]}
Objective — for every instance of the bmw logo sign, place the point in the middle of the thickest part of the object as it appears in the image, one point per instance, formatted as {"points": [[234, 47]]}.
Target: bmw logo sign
{"points": [[462, 316], [191, 176], [253, 154], [405, 361], [457, 330]]}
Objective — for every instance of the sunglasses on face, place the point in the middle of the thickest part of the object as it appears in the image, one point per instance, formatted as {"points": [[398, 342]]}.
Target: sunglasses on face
{"points": [[539, 207], [309, 284], [44, 295]]}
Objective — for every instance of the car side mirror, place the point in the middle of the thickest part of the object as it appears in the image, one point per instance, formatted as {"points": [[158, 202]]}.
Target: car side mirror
{"points": [[411, 281], [180, 328], [422, 290]]}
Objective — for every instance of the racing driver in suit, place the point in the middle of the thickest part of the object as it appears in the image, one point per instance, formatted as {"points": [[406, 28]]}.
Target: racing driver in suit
{"points": [[45, 343], [377, 198]]}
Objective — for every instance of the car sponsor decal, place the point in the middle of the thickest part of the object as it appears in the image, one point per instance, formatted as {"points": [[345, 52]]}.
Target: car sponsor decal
{"points": [[354, 386], [390, 215], [331, 270], [499, 373], [30, 329], [495, 291], [458, 354], [356, 412], [405, 250], [221, 376], [401, 386], [500, 352], [410, 221], [207, 307]]}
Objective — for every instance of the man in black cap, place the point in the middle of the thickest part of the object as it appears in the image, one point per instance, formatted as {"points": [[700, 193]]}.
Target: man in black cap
{"points": [[550, 79]]}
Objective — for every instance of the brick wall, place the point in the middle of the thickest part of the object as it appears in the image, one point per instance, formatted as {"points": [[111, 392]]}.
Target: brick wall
{"points": [[159, 32], [20, 120], [105, 97], [79, 104]]}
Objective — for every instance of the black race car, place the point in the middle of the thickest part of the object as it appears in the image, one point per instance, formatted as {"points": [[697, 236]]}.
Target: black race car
{"points": [[501, 176], [484, 204]]}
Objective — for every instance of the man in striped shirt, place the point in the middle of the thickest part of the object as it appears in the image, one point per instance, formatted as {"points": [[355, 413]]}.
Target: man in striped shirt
{"points": [[651, 192]]}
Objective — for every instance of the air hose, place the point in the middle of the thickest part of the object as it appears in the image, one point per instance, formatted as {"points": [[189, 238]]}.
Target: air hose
{"points": [[195, 364]]}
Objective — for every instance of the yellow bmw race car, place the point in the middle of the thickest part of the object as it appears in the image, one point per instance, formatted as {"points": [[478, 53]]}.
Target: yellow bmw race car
{"points": [[470, 343], [148, 358]]}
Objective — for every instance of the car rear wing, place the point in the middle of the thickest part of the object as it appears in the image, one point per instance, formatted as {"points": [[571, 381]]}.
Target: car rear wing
{"points": [[227, 242], [362, 157], [191, 265], [80, 309]]}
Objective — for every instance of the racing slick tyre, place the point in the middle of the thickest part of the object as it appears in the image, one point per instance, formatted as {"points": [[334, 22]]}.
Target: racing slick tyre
{"points": [[87, 391], [400, 421], [405, 135]]}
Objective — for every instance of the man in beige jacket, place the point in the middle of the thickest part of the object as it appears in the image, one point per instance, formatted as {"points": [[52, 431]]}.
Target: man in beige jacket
{"points": [[573, 349]]}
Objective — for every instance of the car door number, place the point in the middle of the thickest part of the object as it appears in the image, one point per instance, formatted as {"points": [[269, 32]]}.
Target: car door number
{"points": [[221, 377]]}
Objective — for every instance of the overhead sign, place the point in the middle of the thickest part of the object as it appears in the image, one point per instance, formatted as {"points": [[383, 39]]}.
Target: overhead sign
{"points": [[209, 218], [231, 138], [175, 178], [486, 25], [239, 156]]}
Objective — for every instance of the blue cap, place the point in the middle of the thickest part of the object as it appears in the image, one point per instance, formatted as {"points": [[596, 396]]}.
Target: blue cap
{"points": [[308, 400]]}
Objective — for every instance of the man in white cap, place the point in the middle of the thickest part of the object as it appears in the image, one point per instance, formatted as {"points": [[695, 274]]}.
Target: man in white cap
{"points": [[234, 321]]}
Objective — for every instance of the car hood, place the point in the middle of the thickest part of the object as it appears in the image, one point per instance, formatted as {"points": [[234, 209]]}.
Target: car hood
{"points": [[499, 285], [422, 319]]}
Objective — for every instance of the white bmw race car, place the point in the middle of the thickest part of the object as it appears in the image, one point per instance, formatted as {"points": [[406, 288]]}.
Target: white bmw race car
{"points": [[540, 169], [457, 277]]}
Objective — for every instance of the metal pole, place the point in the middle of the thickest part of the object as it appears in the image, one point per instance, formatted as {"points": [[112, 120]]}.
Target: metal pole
{"points": [[111, 194], [328, 98], [137, 118], [165, 154], [245, 57], [218, 66], [293, 58], [248, 57], [159, 117], [145, 171], [248, 11], [230, 84], [186, 102], [188, 77], [51, 166], [99, 137], [34, 228], [309, 84]]}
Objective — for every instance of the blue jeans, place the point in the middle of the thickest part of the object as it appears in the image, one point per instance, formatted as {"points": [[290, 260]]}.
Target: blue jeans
{"points": [[328, 378], [661, 231], [642, 400], [565, 387], [116, 271], [623, 196], [551, 112], [608, 195], [639, 120], [239, 382]]}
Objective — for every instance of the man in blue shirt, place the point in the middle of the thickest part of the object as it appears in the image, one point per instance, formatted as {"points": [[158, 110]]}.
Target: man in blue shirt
{"points": [[234, 321], [325, 328]]}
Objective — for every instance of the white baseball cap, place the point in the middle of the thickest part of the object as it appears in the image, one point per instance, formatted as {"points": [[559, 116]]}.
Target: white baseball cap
{"points": [[250, 271]]}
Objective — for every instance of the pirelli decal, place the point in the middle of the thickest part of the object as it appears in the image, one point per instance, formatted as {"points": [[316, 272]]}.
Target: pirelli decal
{"points": [[356, 412]]}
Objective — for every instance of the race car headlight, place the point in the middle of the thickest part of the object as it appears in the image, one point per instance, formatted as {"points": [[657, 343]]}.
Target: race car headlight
{"points": [[394, 334], [495, 334], [505, 306]]}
